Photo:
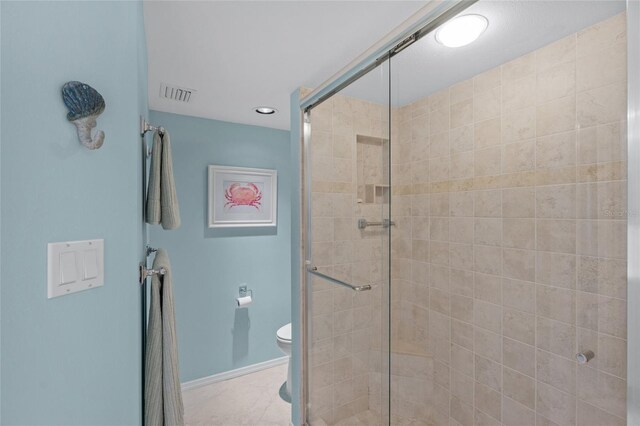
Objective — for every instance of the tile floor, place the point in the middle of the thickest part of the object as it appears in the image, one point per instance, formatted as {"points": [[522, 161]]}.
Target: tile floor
{"points": [[251, 400]]}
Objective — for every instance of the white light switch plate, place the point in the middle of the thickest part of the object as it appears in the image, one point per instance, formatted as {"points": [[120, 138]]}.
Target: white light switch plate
{"points": [[74, 266]]}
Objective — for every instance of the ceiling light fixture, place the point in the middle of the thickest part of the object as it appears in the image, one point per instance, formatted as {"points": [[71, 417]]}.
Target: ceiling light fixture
{"points": [[461, 30], [265, 110]]}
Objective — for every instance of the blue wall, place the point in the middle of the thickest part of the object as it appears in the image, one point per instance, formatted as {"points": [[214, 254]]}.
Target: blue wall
{"points": [[209, 265], [73, 359]]}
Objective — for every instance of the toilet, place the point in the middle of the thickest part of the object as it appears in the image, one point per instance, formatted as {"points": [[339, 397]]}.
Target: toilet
{"points": [[283, 337]]}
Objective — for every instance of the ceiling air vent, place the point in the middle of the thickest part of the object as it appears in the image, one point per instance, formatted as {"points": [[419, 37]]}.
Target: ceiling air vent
{"points": [[175, 93]]}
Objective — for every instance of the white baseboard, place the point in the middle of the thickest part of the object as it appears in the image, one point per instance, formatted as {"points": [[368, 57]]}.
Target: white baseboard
{"points": [[220, 377]]}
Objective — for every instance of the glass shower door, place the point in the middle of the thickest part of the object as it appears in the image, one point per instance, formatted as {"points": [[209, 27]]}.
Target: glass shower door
{"points": [[347, 282]]}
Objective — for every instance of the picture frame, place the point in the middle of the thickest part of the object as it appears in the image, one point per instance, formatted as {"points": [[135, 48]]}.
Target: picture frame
{"points": [[242, 197]]}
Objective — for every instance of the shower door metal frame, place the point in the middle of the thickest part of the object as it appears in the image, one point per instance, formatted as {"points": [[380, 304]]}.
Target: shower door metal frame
{"points": [[633, 212], [427, 19], [421, 23]]}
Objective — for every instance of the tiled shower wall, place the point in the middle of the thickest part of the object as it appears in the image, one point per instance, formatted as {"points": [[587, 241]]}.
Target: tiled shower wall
{"points": [[509, 254], [346, 325]]}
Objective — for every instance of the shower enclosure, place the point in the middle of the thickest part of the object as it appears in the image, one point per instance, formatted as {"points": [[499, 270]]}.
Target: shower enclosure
{"points": [[467, 222]]}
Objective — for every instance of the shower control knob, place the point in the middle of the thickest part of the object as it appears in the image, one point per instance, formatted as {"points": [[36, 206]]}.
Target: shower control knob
{"points": [[584, 357]]}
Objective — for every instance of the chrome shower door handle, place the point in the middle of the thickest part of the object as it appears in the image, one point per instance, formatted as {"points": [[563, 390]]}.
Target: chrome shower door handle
{"points": [[314, 270]]}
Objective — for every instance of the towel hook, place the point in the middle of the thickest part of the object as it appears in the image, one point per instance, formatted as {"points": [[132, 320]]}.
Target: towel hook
{"points": [[146, 127], [143, 272]]}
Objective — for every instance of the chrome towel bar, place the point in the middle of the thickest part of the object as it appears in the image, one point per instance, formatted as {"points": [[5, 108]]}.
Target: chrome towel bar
{"points": [[314, 271], [363, 223]]}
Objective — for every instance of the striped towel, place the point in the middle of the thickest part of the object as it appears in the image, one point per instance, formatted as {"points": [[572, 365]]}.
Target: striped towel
{"points": [[162, 391], [162, 200]]}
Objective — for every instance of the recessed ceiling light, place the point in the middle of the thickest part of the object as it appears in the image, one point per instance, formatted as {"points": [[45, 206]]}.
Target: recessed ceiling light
{"points": [[265, 110], [461, 30]]}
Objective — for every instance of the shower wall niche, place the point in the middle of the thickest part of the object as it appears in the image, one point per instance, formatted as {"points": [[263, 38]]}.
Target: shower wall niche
{"points": [[371, 185]]}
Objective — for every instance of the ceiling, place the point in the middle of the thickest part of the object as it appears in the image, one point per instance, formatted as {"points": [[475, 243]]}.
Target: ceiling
{"points": [[241, 54], [516, 27]]}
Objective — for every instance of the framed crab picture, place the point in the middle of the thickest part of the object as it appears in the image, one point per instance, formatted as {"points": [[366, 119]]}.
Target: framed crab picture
{"points": [[241, 197]]}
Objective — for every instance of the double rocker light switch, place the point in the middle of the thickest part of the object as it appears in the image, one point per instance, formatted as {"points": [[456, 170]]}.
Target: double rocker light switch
{"points": [[74, 266]]}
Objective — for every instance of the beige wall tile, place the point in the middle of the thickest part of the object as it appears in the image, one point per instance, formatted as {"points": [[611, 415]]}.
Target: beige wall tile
{"points": [[487, 288], [439, 205], [519, 387], [518, 68], [487, 80], [556, 269], [558, 406], [518, 156], [558, 150], [487, 259], [488, 373], [462, 308], [556, 235], [591, 74], [612, 316], [520, 295], [462, 165], [488, 203], [488, 401], [518, 264], [487, 344], [486, 104], [519, 233], [556, 303], [518, 94], [462, 360], [602, 390], [556, 337], [461, 113], [488, 162], [519, 125], [558, 115], [488, 231], [461, 282], [461, 411], [487, 133], [439, 145], [602, 105], [612, 355], [557, 52], [601, 35], [461, 256], [487, 315], [519, 356], [462, 334], [461, 139], [439, 121], [461, 230], [556, 371], [557, 81], [601, 144], [588, 415], [518, 202], [516, 414], [461, 91], [461, 204], [604, 276], [520, 326]]}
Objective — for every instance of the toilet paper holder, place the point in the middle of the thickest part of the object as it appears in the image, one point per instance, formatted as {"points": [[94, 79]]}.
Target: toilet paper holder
{"points": [[243, 291]]}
